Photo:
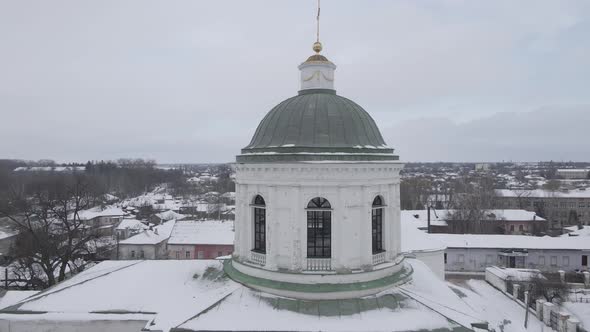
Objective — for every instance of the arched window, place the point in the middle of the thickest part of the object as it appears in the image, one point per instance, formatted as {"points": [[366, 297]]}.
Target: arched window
{"points": [[259, 224], [377, 225], [319, 230]]}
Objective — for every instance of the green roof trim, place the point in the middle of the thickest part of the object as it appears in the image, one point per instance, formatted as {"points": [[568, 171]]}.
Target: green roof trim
{"points": [[400, 277]]}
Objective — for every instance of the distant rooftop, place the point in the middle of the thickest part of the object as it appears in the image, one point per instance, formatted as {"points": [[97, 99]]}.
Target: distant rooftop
{"points": [[202, 232], [540, 193]]}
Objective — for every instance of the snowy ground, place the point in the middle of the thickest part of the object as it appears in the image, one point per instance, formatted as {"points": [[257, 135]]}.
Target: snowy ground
{"points": [[581, 311]]}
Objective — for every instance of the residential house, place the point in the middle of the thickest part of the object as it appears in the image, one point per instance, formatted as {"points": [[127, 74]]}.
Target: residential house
{"points": [[475, 252], [201, 239], [105, 220], [560, 208], [510, 221], [129, 227], [162, 217], [149, 244]]}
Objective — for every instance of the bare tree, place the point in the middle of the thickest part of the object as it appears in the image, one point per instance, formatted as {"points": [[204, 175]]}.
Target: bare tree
{"points": [[472, 205], [551, 289], [52, 237]]}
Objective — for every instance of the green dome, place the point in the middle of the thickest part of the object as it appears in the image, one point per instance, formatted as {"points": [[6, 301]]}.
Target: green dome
{"points": [[316, 125]]}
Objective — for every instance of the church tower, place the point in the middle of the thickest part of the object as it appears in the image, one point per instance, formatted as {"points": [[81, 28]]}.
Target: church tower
{"points": [[317, 197]]}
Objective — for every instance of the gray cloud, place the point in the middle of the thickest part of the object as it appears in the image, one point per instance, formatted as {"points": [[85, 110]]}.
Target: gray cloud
{"points": [[188, 81]]}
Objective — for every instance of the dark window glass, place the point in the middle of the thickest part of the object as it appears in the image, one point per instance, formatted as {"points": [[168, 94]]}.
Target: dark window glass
{"points": [[319, 230], [318, 203], [377, 225], [259, 225], [258, 200]]}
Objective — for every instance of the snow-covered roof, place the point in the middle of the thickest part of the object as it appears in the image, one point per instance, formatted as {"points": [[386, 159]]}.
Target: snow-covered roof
{"points": [[202, 232], [540, 193], [414, 240], [51, 168], [423, 304], [419, 218], [169, 215], [575, 231], [109, 211], [229, 194], [152, 236], [12, 297], [132, 224], [512, 241], [197, 295], [172, 290], [440, 217]]}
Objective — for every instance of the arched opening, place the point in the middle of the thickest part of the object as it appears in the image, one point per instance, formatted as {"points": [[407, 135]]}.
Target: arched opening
{"points": [[319, 230], [377, 225], [259, 224]]}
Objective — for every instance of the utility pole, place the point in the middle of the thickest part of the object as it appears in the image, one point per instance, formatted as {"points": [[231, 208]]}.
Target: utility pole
{"points": [[527, 305], [428, 230], [117, 244]]}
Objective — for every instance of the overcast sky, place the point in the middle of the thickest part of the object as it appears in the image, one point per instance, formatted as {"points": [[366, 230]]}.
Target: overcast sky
{"points": [[189, 81]]}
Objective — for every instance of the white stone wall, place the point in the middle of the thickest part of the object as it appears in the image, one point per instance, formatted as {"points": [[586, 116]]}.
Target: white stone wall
{"points": [[287, 188], [317, 75], [151, 251]]}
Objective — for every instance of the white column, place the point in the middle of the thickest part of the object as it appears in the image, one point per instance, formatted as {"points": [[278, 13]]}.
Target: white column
{"points": [[298, 228], [338, 225], [272, 229], [398, 232], [547, 308], [365, 229], [243, 218]]}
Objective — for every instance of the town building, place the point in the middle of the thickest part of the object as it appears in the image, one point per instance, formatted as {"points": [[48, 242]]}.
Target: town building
{"points": [[103, 220], [572, 173], [496, 221], [129, 227], [149, 244], [8, 235], [162, 217], [560, 208], [201, 239], [474, 253]]}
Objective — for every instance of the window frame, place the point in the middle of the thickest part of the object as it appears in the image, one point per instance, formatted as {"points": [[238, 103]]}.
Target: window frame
{"points": [[319, 228], [259, 224], [377, 213]]}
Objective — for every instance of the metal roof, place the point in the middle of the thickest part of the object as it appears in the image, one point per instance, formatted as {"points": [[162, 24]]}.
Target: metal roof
{"points": [[317, 124]]}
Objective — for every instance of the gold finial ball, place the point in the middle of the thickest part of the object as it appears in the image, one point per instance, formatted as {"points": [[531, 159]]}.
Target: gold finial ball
{"points": [[317, 47]]}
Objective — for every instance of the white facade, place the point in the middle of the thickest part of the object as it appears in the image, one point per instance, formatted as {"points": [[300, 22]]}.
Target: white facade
{"points": [[287, 188], [545, 260], [573, 173], [143, 251]]}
